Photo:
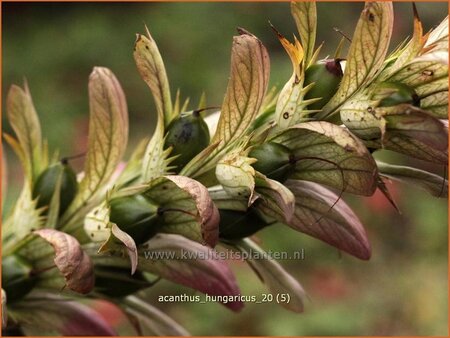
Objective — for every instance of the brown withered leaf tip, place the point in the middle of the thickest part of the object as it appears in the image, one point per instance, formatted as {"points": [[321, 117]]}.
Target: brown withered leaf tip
{"points": [[242, 31]]}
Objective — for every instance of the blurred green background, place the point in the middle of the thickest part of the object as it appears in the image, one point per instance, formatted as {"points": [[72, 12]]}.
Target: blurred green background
{"points": [[402, 290]]}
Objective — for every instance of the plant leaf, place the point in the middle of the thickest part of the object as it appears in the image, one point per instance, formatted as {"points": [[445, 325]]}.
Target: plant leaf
{"points": [[275, 200], [427, 73], [133, 167], [152, 321], [402, 128], [23, 219], [305, 16], [321, 213], [96, 223], [108, 136], [237, 177], [182, 261], [411, 131], [24, 120], [191, 212], [429, 78], [70, 259], [436, 185], [272, 274], [208, 213], [361, 118], [120, 241], [436, 104], [425, 76], [115, 241], [385, 191], [177, 107], [291, 108], [249, 77], [330, 155], [367, 52], [46, 314], [156, 160], [223, 200], [151, 67], [414, 46], [438, 38]]}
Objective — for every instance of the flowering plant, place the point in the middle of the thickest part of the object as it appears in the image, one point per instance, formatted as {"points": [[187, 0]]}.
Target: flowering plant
{"points": [[267, 158]]}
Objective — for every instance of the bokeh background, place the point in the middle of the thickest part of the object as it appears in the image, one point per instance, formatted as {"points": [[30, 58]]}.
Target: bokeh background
{"points": [[402, 290]]}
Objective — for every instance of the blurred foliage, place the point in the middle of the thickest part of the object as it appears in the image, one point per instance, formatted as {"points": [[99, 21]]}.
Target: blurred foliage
{"points": [[402, 290]]}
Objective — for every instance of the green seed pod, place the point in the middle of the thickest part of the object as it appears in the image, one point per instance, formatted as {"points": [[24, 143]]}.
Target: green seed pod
{"points": [[274, 160], [17, 278], [326, 76], [239, 224], [188, 135], [401, 93], [118, 282], [45, 185], [135, 215]]}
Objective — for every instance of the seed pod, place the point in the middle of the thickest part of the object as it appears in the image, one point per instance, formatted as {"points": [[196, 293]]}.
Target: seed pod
{"points": [[17, 277], [188, 135], [45, 186], [135, 215], [239, 224], [326, 76], [400, 93], [274, 160], [118, 282]]}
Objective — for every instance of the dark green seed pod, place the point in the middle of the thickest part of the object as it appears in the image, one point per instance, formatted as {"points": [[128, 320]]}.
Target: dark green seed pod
{"points": [[188, 135], [239, 224], [135, 215], [45, 186], [401, 93], [118, 282], [326, 76], [274, 160], [17, 277]]}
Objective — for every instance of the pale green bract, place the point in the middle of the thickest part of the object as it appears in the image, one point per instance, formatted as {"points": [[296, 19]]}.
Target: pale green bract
{"points": [[330, 155], [150, 65], [367, 52], [305, 16], [436, 185], [25, 122], [249, 77], [108, 136], [275, 200], [237, 177]]}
